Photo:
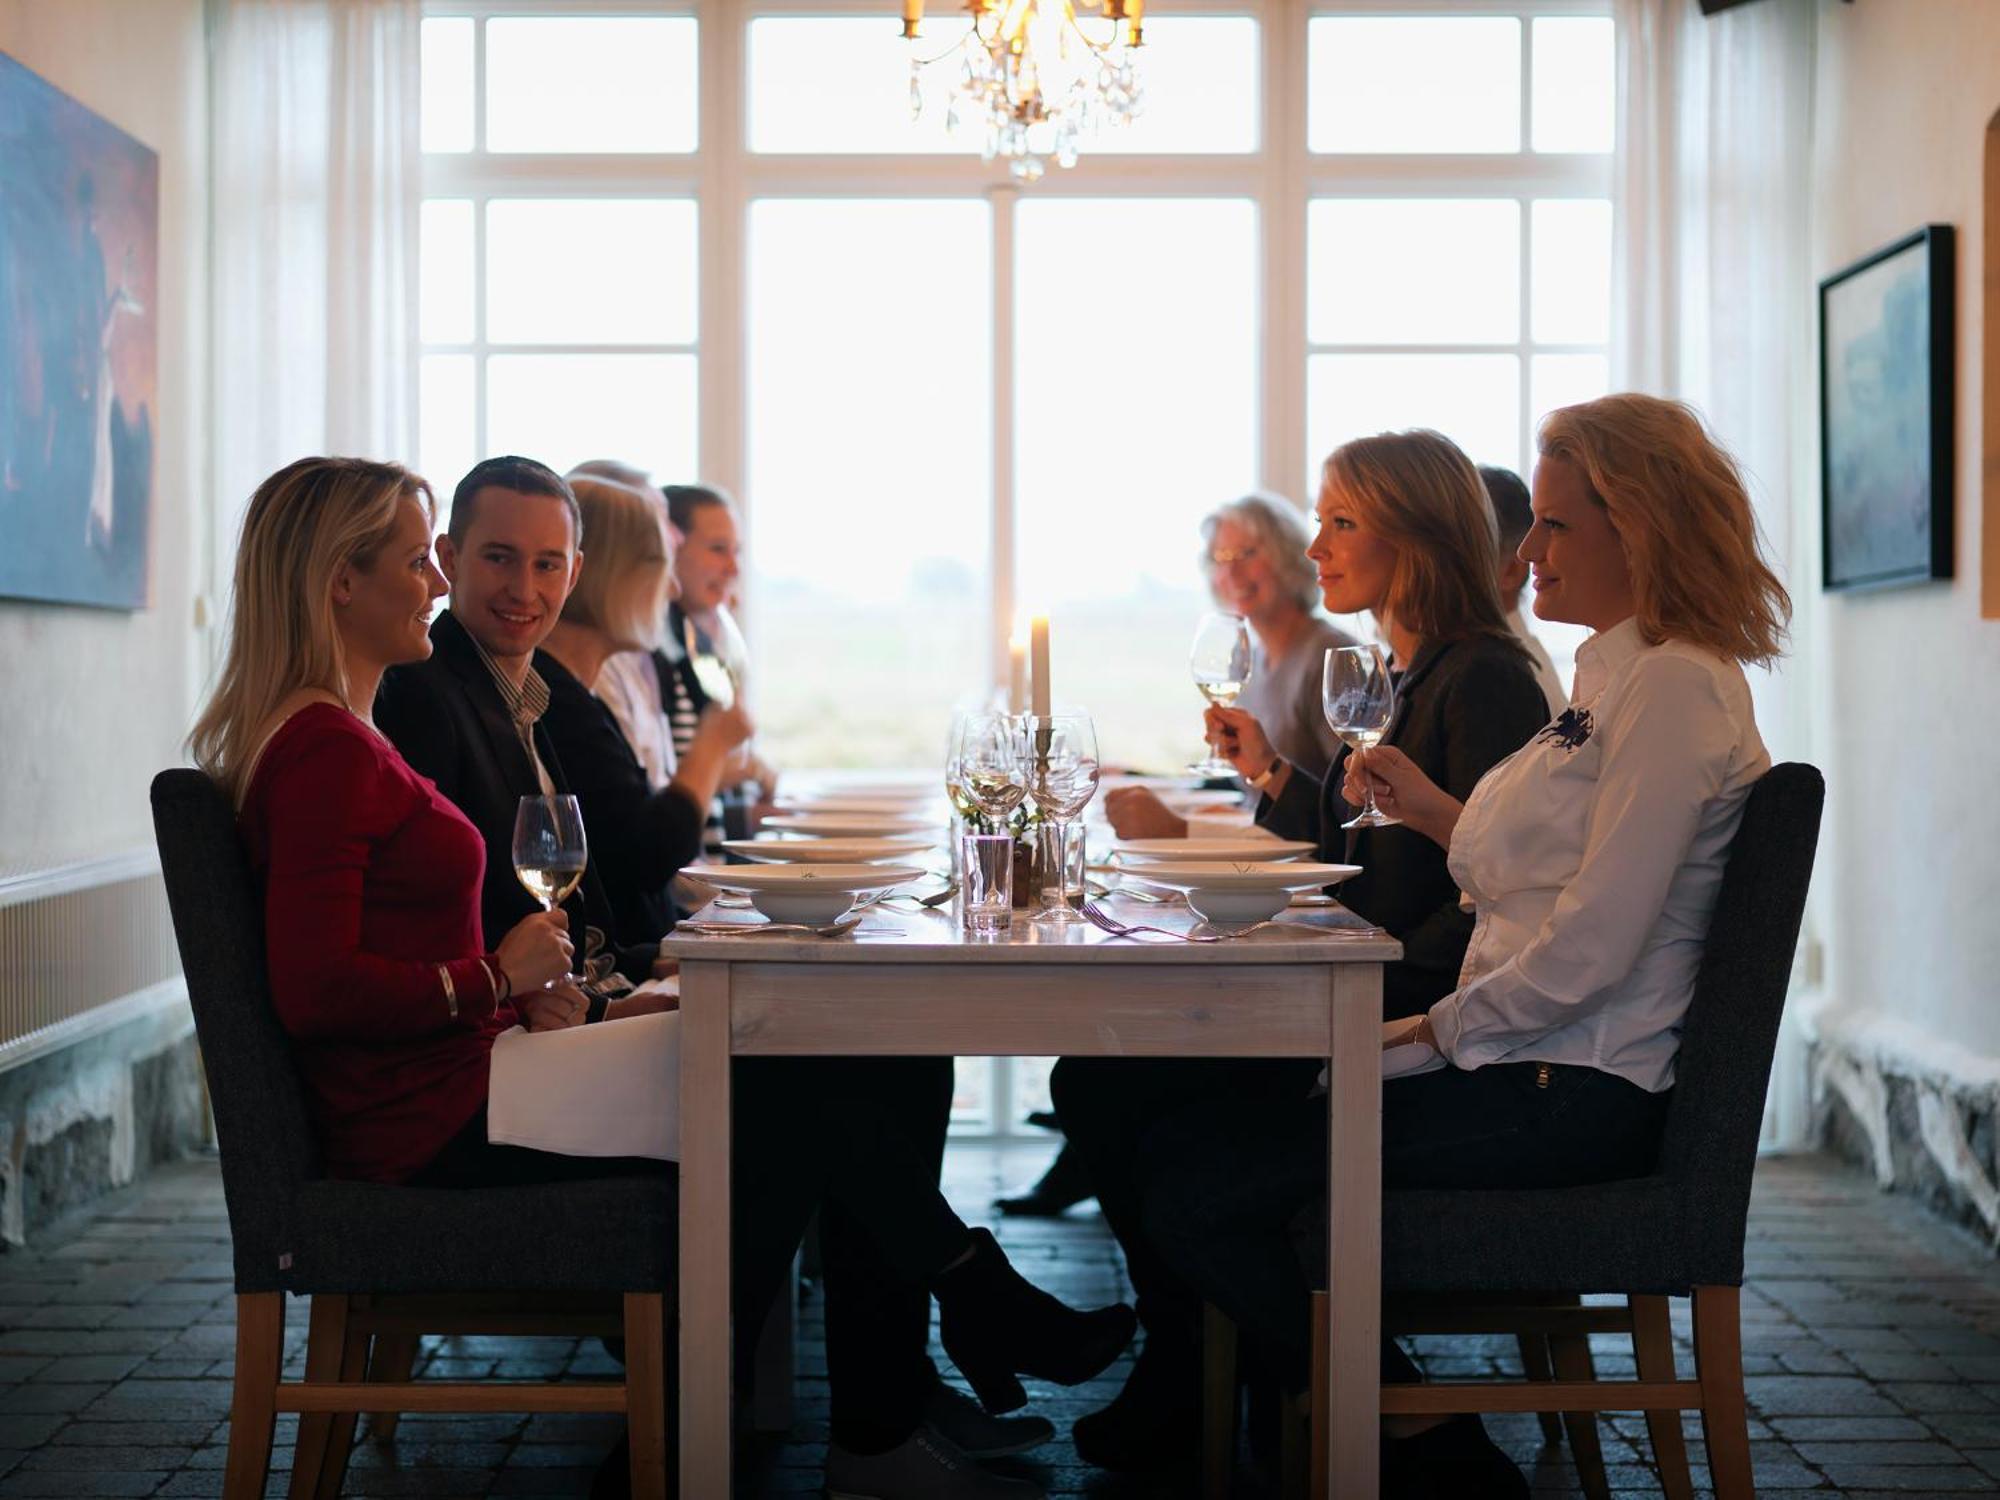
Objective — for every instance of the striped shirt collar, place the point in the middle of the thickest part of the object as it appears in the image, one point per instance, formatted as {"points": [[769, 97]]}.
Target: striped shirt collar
{"points": [[526, 703]]}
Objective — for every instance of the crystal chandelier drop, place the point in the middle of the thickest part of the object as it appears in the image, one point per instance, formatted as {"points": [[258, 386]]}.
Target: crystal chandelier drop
{"points": [[1035, 80]]}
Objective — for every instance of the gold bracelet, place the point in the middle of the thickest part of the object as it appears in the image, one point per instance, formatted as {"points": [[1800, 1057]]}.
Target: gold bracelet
{"points": [[450, 991]]}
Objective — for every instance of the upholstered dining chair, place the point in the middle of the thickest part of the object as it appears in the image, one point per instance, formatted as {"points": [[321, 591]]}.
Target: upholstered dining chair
{"points": [[559, 1258], [1511, 1260]]}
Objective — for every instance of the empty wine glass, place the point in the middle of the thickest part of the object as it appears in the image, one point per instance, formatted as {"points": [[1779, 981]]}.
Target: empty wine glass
{"points": [[1219, 662], [1062, 778], [1359, 698], [989, 765], [550, 851]]}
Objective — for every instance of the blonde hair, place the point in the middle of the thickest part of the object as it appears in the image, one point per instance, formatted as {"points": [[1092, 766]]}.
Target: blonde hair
{"points": [[1419, 493], [1281, 531], [1679, 505], [620, 526], [305, 523]]}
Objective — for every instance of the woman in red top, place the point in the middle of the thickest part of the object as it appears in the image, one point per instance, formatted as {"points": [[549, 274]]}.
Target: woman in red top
{"points": [[371, 878]]}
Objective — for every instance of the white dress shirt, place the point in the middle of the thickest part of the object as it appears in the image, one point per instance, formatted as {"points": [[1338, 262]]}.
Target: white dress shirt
{"points": [[1592, 856], [1543, 663], [629, 686]]}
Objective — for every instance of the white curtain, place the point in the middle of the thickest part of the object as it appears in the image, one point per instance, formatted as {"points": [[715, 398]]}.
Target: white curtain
{"points": [[315, 174], [1713, 295]]}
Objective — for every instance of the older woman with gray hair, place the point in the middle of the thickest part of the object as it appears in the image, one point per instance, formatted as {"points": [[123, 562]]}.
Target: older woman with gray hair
{"points": [[1255, 557]]}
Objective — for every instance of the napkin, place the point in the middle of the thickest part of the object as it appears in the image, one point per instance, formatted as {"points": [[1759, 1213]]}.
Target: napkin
{"points": [[1409, 1059], [612, 1089]]}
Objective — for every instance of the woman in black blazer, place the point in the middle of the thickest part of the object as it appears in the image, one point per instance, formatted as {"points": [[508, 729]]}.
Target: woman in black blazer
{"points": [[1406, 532]]}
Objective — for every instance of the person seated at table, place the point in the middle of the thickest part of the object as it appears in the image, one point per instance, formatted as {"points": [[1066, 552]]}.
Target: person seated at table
{"points": [[1406, 533], [468, 716], [1514, 515], [701, 633], [640, 837], [890, 1239], [1257, 568], [372, 884], [1593, 856], [630, 682]]}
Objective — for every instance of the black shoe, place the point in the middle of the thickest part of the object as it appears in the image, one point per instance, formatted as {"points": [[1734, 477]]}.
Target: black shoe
{"points": [[996, 1325], [1065, 1184], [1154, 1423], [1456, 1458]]}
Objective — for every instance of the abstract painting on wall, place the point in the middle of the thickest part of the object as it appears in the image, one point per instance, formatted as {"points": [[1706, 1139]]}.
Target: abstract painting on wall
{"points": [[1885, 391], [79, 320]]}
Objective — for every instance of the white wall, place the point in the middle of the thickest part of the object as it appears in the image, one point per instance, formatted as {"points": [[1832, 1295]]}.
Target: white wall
{"points": [[92, 702], [1905, 688]]}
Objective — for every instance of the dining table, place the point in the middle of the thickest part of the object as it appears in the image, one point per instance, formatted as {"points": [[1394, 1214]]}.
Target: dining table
{"points": [[907, 980]]}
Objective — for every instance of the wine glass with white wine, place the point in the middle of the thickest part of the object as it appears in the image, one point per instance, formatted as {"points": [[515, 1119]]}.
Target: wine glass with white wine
{"points": [[550, 851], [1063, 772], [1220, 665], [1359, 698]]}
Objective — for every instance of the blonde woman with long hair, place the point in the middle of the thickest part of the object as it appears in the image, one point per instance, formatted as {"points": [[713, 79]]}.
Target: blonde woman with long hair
{"points": [[1593, 856], [371, 879], [1405, 532]]}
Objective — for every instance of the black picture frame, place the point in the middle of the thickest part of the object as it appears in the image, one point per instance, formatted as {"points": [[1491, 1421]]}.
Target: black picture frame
{"points": [[1887, 345]]}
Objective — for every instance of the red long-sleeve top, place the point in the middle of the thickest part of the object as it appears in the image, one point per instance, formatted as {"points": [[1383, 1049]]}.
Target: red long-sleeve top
{"points": [[371, 898]]}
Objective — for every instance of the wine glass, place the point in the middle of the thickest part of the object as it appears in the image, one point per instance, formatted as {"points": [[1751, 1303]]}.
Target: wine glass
{"points": [[718, 666], [987, 775], [1220, 664], [550, 851], [1062, 778], [1359, 698]]}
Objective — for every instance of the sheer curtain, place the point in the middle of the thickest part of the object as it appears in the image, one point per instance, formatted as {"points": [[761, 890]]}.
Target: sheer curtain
{"points": [[315, 173], [1713, 298]]}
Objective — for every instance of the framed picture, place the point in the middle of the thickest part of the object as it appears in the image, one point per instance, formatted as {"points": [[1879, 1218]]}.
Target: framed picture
{"points": [[1885, 406], [79, 319]]}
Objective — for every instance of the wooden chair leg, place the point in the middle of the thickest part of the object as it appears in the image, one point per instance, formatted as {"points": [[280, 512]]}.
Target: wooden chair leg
{"points": [[1322, 1387], [646, 1355], [1718, 1365], [1535, 1365], [1218, 1403], [1653, 1356], [393, 1363], [1570, 1355], [253, 1402], [326, 1338]]}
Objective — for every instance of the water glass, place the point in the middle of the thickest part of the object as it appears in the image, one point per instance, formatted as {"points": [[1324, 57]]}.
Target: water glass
{"points": [[1062, 887], [987, 896]]}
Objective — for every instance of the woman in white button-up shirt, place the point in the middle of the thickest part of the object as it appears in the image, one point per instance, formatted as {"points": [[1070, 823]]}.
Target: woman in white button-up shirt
{"points": [[1592, 857]]}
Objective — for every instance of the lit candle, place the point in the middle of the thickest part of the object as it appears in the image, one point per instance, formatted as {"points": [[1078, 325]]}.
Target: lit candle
{"points": [[913, 19], [1017, 672], [1039, 634]]}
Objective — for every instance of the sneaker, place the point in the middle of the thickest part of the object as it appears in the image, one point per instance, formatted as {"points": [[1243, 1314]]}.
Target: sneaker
{"points": [[963, 1423], [926, 1467]]}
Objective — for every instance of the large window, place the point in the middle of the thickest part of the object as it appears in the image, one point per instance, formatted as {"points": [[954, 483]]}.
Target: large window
{"points": [[714, 242]]}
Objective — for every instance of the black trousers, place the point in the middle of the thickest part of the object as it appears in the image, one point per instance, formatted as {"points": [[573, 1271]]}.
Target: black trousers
{"points": [[860, 1141], [1108, 1108], [1228, 1178]]}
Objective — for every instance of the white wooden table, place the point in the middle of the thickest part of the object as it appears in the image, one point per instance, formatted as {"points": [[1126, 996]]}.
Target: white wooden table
{"points": [[908, 982]]}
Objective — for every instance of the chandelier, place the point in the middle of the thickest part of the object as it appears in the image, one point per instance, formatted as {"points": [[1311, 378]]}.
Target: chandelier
{"points": [[1035, 80]]}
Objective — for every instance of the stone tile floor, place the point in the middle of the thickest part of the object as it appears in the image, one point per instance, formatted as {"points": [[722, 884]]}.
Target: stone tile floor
{"points": [[1872, 1345]]}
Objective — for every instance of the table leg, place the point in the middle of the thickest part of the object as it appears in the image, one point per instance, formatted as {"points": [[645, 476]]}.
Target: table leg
{"points": [[706, 1377], [1354, 1230]]}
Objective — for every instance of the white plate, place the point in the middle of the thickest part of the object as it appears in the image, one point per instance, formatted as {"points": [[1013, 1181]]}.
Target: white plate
{"points": [[850, 825], [806, 893], [826, 851], [894, 806], [1200, 801], [1242, 875], [1143, 853], [1246, 892]]}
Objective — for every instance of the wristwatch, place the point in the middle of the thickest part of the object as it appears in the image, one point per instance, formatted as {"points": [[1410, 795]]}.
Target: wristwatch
{"points": [[1259, 782]]}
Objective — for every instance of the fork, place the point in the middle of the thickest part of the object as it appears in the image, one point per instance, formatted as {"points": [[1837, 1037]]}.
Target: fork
{"points": [[844, 926], [1103, 919]]}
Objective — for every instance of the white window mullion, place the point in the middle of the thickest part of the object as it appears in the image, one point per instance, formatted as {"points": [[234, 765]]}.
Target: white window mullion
{"points": [[1282, 223], [1004, 577]]}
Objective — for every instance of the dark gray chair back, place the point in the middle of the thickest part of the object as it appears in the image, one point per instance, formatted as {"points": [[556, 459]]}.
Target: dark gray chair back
{"points": [[266, 1140], [1730, 1034]]}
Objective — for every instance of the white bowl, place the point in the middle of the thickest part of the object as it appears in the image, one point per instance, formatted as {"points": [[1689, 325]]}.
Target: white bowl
{"points": [[1204, 850], [851, 825], [812, 905], [1226, 907], [806, 893], [798, 851]]}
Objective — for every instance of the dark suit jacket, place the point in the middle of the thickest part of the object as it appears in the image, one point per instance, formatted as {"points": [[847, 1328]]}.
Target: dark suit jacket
{"points": [[639, 838], [1462, 707], [449, 721]]}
